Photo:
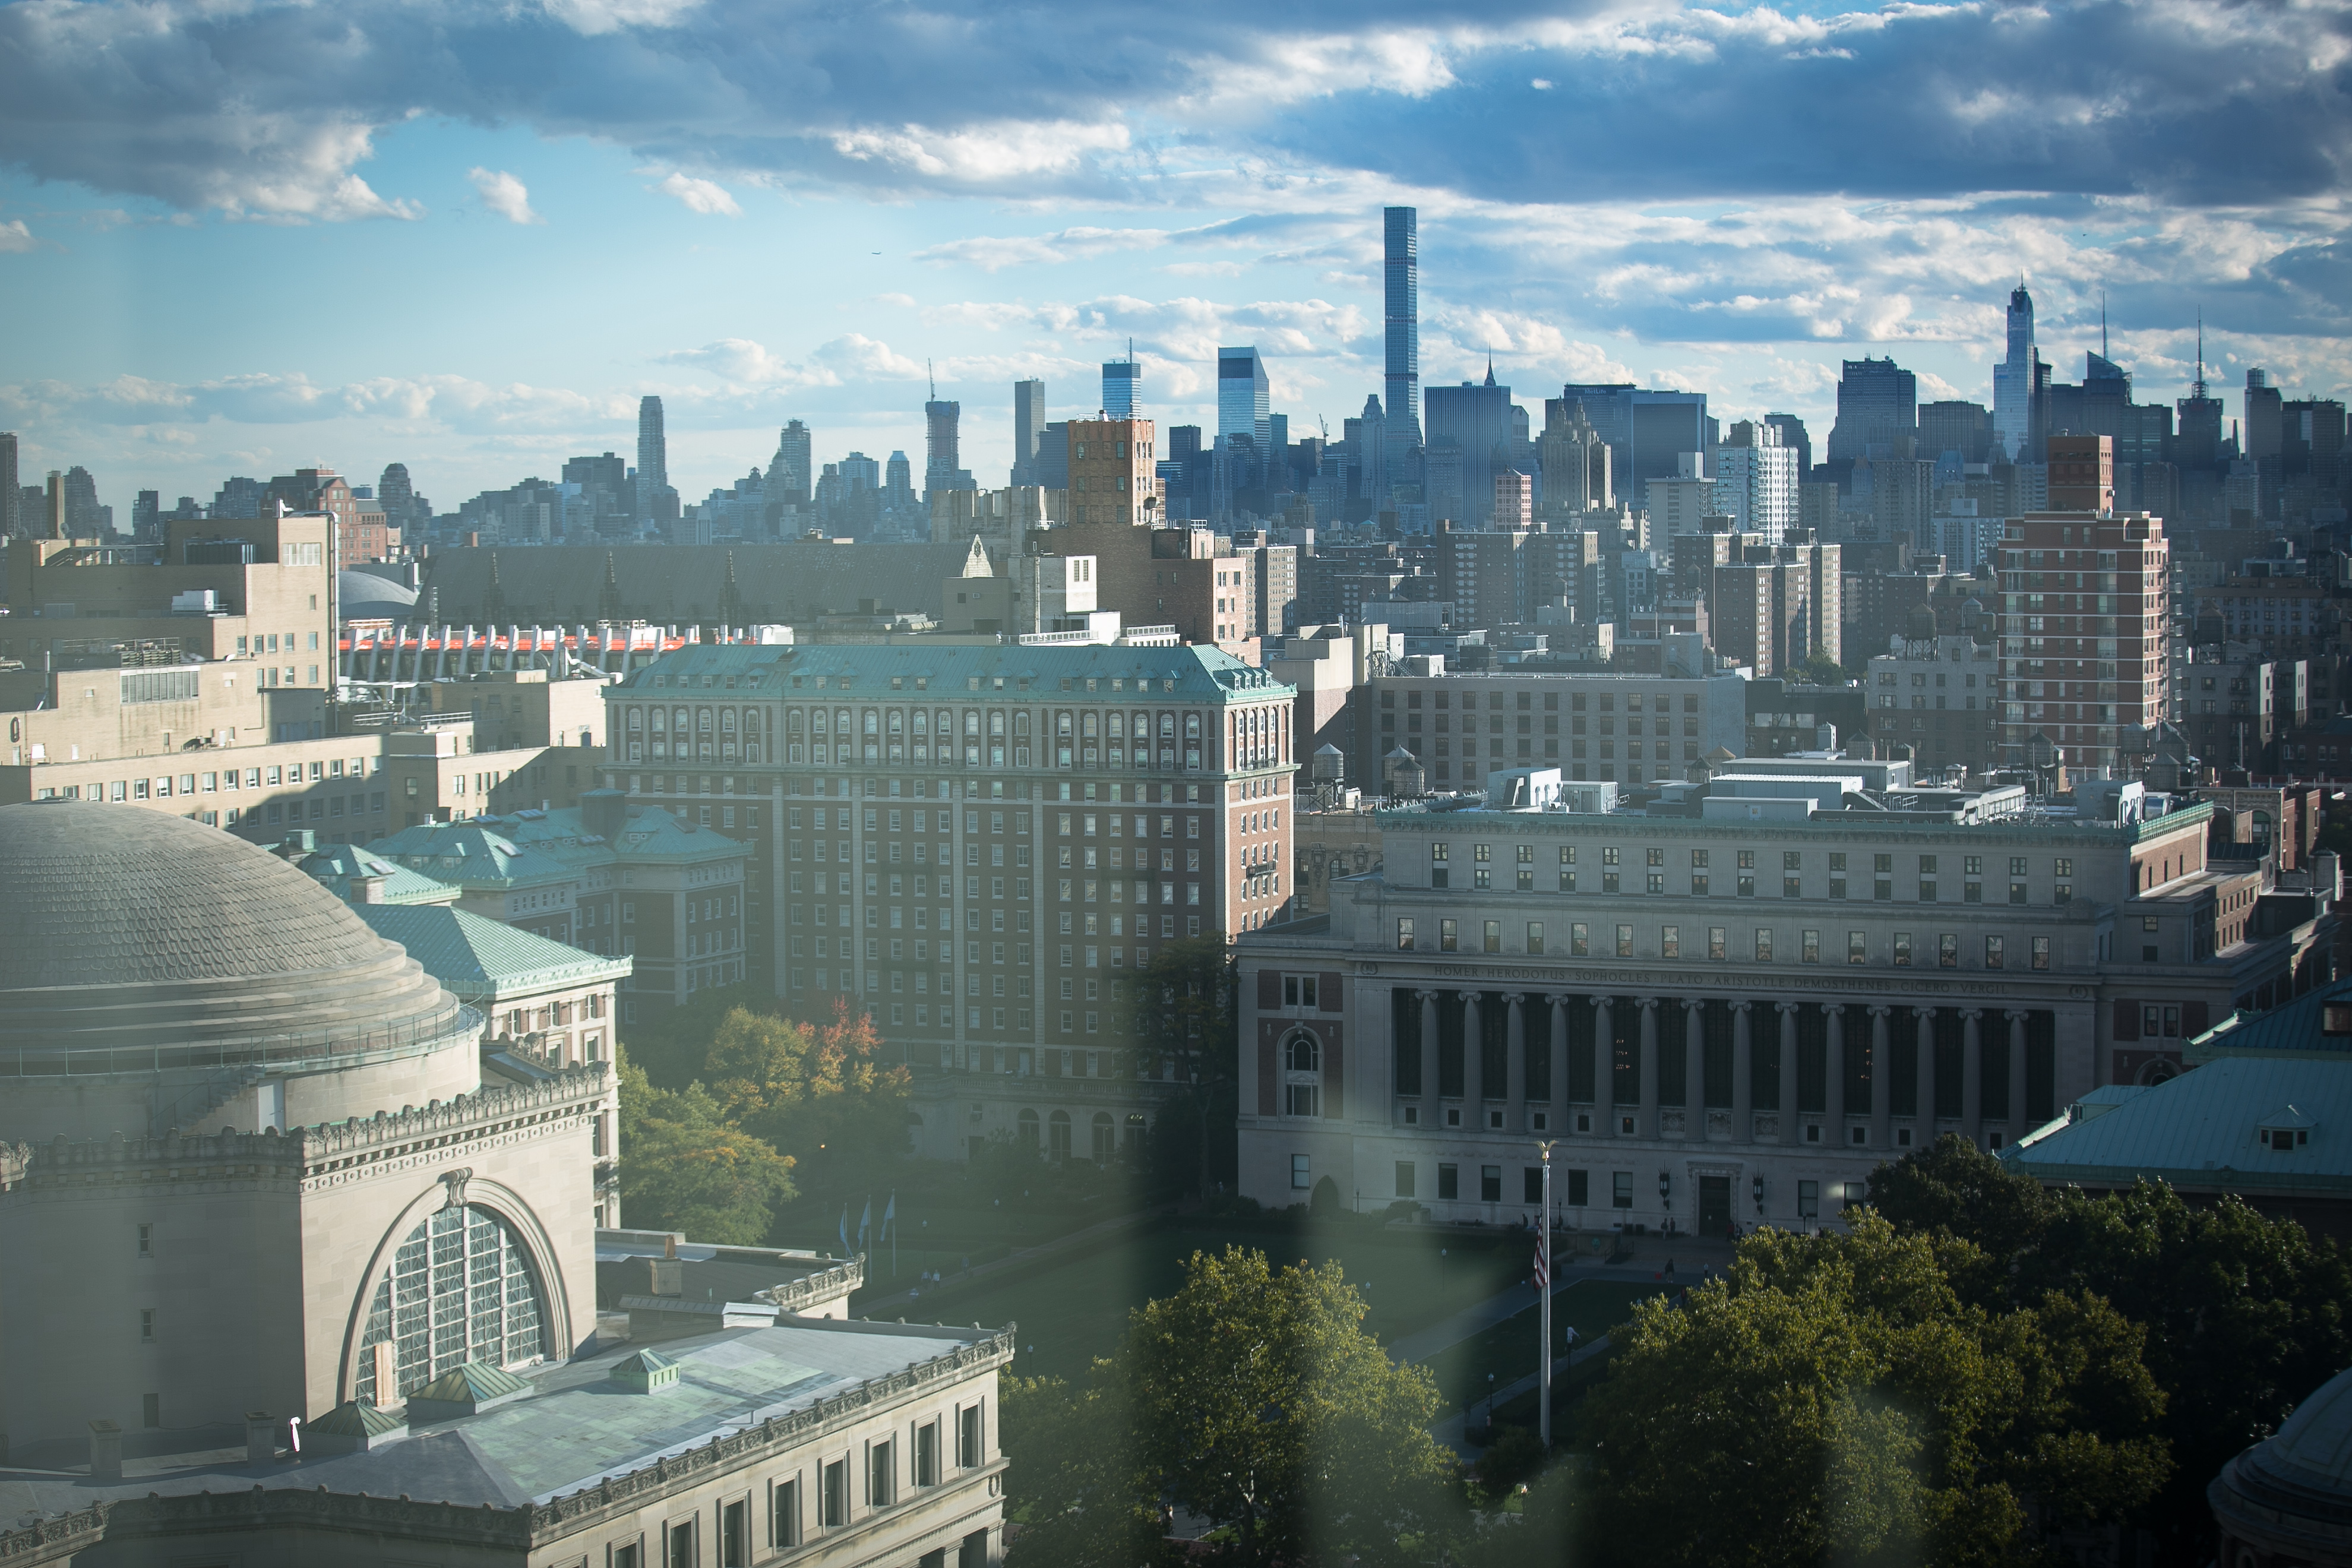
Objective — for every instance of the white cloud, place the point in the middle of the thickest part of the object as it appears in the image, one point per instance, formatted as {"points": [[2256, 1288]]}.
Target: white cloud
{"points": [[705, 197], [504, 195], [16, 236], [591, 17]]}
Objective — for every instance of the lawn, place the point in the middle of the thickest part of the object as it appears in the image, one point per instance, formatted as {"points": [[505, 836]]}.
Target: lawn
{"points": [[1075, 1308]]}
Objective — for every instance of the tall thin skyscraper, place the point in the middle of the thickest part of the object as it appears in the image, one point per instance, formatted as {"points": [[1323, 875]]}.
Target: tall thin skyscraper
{"points": [[2014, 383], [943, 466], [1401, 312], [1123, 385], [788, 471], [653, 458], [1028, 429], [7, 483], [1242, 397]]}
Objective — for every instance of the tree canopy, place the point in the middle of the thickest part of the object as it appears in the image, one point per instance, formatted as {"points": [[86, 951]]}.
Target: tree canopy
{"points": [[685, 1166], [1252, 1398], [1834, 1398]]}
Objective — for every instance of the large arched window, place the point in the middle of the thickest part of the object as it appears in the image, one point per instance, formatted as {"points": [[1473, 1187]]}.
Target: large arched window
{"points": [[460, 1289], [1057, 1132], [1027, 1123], [1302, 1063]]}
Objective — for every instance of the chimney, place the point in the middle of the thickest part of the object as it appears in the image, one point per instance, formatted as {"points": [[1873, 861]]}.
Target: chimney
{"points": [[260, 1438], [665, 1277], [105, 1452], [368, 890], [603, 812]]}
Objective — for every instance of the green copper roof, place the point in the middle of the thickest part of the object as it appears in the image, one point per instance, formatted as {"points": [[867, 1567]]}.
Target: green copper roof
{"points": [[482, 960], [337, 864], [1061, 672], [470, 854], [356, 1418], [649, 833], [476, 1381]]}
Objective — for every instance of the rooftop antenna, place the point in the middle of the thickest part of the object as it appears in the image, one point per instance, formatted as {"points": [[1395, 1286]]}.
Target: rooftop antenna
{"points": [[2197, 387], [933, 379], [2103, 323]]}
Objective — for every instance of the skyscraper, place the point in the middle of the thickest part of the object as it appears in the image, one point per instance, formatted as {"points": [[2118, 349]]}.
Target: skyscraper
{"points": [[1793, 437], [943, 466], [789, 477], [1476, 418], [1400, 313], [1756, 480], [653, 462], [7, 483], [1123, 385], [1028, 429], [2017, 383], [1647, 431], [395, 494], [1242, 403], [1878, 407]]}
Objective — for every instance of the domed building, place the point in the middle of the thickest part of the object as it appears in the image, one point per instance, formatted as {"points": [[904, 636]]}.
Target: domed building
{"points": [[250, 1142], [2287, 1500]]}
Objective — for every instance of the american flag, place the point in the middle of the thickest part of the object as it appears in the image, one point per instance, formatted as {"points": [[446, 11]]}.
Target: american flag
{"points": [[1543, 1261]]}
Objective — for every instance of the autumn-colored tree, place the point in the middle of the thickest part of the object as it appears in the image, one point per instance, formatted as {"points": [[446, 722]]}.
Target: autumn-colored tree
{"points": [[821, 1092]]}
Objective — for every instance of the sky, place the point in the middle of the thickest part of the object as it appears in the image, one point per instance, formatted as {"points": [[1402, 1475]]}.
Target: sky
{"points": [[240, 236]]}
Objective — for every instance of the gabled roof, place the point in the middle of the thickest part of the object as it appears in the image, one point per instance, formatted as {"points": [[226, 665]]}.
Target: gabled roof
{"points": [[482, 961], [2300, 1027], [647, 833]]}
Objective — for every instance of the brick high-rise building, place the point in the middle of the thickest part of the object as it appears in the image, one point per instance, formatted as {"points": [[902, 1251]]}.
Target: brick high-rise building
{"points": [[2085, 614], [977, 843]]}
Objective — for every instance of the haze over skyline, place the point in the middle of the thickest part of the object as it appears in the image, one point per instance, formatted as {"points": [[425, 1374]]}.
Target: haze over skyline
{"points": [[260, 236]]}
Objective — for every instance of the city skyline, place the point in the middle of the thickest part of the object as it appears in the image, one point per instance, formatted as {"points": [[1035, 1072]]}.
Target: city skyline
{"points": [[1031, 235]]}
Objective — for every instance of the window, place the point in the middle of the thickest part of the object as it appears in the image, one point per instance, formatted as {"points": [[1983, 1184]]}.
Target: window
{"points": [[1493, 937], [1809, 947], [460, 1288], [1947, 949], [679, 1549], [881, 1476], [1449, 1183], [2040, 953], [1490, 1184], [1300, 1177], [785, 1513], [1718, 944], [1857, 947], [629, 1554], [146, 1241], [1579, 1189], [832, 1496], [146, 1325], [1809, 1200], [1624, 941], [1580, 940], [1535, 937], [1763, 945], [735, 1534], [1902, 950], [1670, 942], [1405, 934], [1620, 1194], [1995, 952], [1448, 936], [1404, 1178], [970, 1454]]}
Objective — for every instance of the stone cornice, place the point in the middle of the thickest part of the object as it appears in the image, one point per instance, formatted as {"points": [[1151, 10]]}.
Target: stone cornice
{"points": [[1678, 980], [815, 1289]]}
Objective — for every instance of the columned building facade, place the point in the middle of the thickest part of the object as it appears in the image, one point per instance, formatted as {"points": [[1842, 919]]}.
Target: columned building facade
{"points": [[1728, 1019]]}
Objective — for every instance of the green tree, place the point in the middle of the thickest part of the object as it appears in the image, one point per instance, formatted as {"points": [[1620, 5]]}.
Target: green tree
{"points": [[821, 1092], [1183, 1008], [2244, 1314], [685, 1166], [1254, 1400], [1820, 670], [1835, 1398], [673, 1047]]}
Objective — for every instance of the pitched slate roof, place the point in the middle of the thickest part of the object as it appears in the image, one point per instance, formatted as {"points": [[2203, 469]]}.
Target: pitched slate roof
{"points": [[337, 864], [2201, 1131], [471, 854], [2299, 1026], [480, 959]]}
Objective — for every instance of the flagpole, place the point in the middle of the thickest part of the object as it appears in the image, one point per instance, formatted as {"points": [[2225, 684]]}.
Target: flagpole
{"points": [[1543, 1286]]}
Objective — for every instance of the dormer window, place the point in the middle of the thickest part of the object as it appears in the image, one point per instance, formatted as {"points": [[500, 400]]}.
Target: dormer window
{"points": [[2286, 1130]]}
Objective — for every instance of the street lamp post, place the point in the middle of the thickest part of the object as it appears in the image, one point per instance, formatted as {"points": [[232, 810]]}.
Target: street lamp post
{"points": [[1543, 1297]]}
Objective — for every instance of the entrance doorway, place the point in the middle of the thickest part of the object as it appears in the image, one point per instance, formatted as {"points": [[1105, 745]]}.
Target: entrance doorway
{"points": [[1714, 1205]]}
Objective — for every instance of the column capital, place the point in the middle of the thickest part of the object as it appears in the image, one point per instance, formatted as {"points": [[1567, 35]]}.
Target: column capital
{"points": [[1692, 1004], [1923, 1013], [1647, 1003], [1597, 1002], [1512, 997], [1972, 1015], [2017, 1015], [1560, 998], [1425, 996], [1748, 1006], [1881, 1010], [1834, 1009], [1787, 1007]]}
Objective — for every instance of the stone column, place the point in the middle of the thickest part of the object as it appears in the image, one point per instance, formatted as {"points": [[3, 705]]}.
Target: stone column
{"points": [[1694, 1070], [1788, 1011], [1925, 1123], [1972, 1076], [1833, 1075], [1604, 1070], [1882, 1083], [1648, 1068], [2017, 1127], [1474, 1059], [1430, 1116], [1558, 1103], [1515, 1063], [1743, 1074]]}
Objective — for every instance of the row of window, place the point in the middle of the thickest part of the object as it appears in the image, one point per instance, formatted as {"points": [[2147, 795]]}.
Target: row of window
{"points": [[1572, 1187], [1761, 946], [1613, 859], [1442, 700], [796, 1510]]}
